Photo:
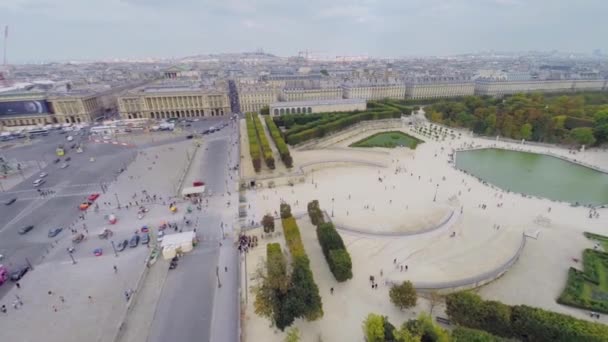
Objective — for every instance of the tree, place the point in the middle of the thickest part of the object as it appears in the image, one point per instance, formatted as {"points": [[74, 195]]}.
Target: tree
{"points": [[526, 131], [293, 335], [341, 264], [600, 127], [583, 136], [265, 110], [324, 72], [404, 295], [425, 329], [285, 210], [434, 299], [268, 223], [373, 328]]}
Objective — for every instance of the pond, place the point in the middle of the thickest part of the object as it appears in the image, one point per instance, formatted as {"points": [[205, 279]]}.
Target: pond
{"points": [[536, 174]]}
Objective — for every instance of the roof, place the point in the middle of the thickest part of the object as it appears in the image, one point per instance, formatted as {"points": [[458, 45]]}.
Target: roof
{"points": [[193, 190], [318, 103], [177, 240]]}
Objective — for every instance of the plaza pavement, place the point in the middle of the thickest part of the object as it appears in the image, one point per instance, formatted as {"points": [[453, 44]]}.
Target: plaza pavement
{"points": [[485, 237]]}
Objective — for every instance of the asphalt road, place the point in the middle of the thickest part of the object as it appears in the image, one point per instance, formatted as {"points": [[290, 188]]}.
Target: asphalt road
{"points": [[71, 186], [185, 311]]}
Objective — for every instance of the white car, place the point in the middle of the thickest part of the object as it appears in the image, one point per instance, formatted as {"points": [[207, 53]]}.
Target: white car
{"points": [[64, 165], [43, 174], [38, 182], [161, 234]]}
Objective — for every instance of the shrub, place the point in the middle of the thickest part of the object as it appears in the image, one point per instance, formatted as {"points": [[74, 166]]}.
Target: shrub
{"points": [[461, 334], [315, 213], [266, 151], [340, 264], [520, 321], [329, 237], [279, 142], [254, 147], [404, 295], [285, 210], [268, 223]]}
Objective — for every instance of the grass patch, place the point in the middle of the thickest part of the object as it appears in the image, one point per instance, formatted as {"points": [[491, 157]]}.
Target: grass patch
{"points": [[389, 140], [599, 238], [588, 289]]}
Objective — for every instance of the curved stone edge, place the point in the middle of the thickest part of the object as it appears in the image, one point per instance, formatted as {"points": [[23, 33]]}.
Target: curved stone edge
{"points": [[443, 224], [474, 281]]}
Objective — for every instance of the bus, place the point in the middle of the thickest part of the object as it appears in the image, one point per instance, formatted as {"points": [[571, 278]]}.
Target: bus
{"points": [[37, 132]]}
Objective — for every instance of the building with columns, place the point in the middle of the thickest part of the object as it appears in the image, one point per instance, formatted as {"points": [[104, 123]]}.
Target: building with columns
{"points": [[493, 87], [433, 88], [311, 94], [28, 108], [173, 101], [374, 91], [317, 106], [253, 98]]}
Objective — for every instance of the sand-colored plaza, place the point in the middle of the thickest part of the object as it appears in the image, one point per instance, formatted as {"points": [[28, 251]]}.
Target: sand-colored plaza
{"points": [[397, 207]]}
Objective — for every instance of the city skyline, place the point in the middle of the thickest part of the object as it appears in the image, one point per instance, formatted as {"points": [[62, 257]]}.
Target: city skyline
{"points": [[45, 30]]}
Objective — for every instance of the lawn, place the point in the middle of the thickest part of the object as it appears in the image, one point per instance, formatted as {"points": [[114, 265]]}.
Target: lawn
{"points": [[388, 139], [588, 289]]}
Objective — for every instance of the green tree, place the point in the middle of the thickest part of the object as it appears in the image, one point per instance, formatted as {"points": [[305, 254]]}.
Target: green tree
{"points": [[583, 136], [293, 335], [285, 210], [600, 127], [526, 131], [404, 295], [324, 72], [341, 264], [268, 223], [426, 329], [265, 110], [373, 328]]}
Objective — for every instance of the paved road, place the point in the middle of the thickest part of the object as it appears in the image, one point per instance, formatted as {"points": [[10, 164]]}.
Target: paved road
{"points": [[192, 307], [71, 186]]}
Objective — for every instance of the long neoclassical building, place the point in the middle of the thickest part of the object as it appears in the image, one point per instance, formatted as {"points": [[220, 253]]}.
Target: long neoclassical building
{"points": [[165, 101], [317, 106]]}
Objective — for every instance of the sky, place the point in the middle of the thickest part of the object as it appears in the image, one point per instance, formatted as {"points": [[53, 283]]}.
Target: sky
{"points": [[46, 30]]}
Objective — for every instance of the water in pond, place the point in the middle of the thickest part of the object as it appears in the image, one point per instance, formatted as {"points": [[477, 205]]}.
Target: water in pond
{"points": [[537, 175]]}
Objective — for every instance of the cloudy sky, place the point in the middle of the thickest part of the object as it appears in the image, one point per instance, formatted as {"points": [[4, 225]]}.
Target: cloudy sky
{"points": [[95, 29]]}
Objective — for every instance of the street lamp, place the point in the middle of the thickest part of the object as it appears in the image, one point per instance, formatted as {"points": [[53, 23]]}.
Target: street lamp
{"points": [[217, 274], [332, 207], [117, 202], [114, 248], [435, 198]]}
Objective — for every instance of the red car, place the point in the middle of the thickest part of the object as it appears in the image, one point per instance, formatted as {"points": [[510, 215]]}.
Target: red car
{"points": [[93, 197]]}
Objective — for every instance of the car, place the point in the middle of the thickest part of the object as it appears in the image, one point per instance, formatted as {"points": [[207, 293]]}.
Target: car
{"points": [[145, 238], [38, 182], [73, 146], [17, 274], [84, 206], [67, 159], [54, 232], [25, 230], [10, 201], [93, 197], [205, 132], [160, 237], [42, 174], [64, 165], [189, 136], [122, 245], [134, 241], [173, 264], [56, 160]]}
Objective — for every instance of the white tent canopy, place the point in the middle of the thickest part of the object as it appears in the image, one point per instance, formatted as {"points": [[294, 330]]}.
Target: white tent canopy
{"points": [[194, 190]]}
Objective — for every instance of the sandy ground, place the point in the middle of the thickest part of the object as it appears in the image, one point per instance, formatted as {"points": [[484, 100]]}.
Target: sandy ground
{"points": [[416, 190]]}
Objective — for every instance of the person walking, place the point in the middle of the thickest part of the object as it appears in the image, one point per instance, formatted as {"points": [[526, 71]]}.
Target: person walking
{"points": [[115, 269], [331, 291]]}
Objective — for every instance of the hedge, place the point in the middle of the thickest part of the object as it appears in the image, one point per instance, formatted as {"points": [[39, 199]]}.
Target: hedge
{"points": [[461, 334], [315, 213], [333, 247], [266, 151], [254, 146], [520, 321], [279, 142]]}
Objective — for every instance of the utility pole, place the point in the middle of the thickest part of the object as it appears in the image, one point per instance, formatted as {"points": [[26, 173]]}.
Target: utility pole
{"points": [[117, 202]]}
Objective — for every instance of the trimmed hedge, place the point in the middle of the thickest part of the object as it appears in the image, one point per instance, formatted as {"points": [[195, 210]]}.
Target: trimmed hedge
{"points": [[581, 285], [461, 334], [266, 151], [520, 321], [279, 142], [315, 213], [254, 145], [333, 247]]}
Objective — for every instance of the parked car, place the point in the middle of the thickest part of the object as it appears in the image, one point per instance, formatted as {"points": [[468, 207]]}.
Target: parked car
{"points": [[25, 230], [189, 136], [18, 273], [93, 197], [134, 241], [67, 159], [161, 234], [122, 245], [42, 174], [10, 201], [173, 263], [64, 165], [38, 182], [56, 160], [54, 232], [145, 238]]}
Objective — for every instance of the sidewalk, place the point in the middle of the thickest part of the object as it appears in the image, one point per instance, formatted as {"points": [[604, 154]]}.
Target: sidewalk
{"points": [[136, 327]]}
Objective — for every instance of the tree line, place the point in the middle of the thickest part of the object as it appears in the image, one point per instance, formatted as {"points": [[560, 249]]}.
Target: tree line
{"points": [[570, 119]]}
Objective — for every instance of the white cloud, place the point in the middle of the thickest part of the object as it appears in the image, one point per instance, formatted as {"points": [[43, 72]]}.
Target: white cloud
{"points": [[358, 13]]}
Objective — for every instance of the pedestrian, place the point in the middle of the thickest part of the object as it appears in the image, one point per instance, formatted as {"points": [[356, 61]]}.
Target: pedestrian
{"points": [[331, 290], [115, 269], [54, 308], [90, 299], [225, 268], [406, 267], [50, 293], [62, 299], [18, 285], [3, 308]]}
